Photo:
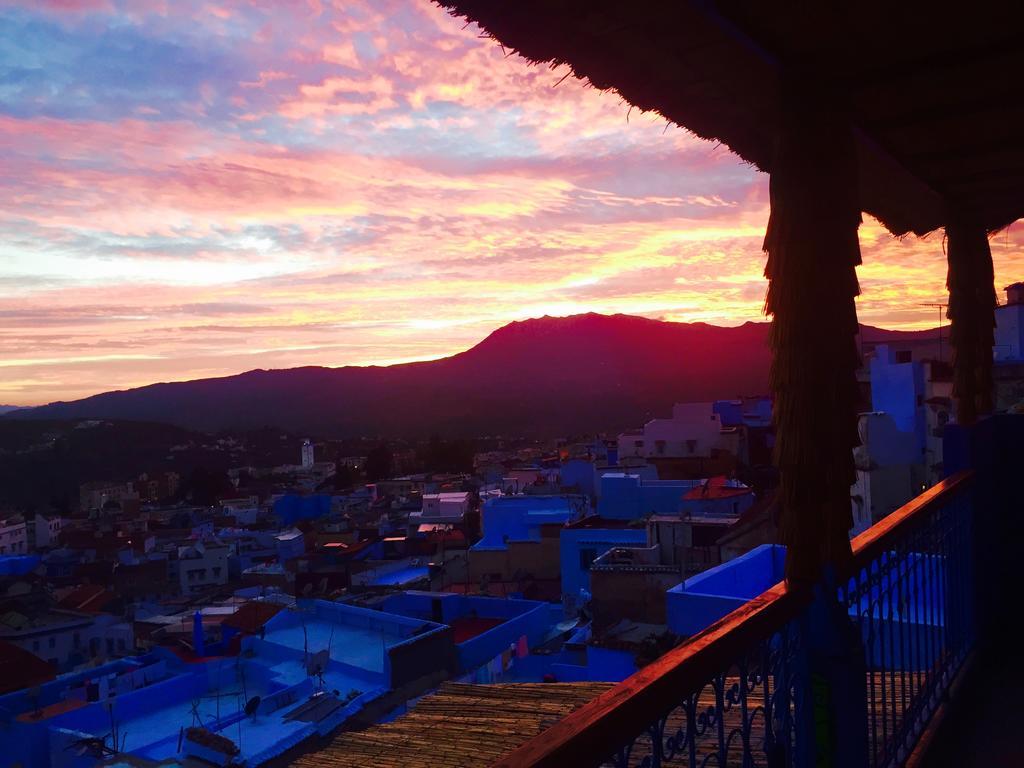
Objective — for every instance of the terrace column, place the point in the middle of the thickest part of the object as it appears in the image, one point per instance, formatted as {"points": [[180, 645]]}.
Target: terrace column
{"points": [[972, 302], [813, 252]]}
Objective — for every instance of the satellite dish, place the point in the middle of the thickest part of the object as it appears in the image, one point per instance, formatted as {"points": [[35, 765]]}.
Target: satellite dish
{"points": [[252, 705]]}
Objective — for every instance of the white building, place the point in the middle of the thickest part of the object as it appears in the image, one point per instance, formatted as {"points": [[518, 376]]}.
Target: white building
{"points": [[94, 495], [44, 531], [201, 565], [889, 470], [694, 430], [447, 508], [1009, 341], [66, 638], [308, 459], [13, 535]]}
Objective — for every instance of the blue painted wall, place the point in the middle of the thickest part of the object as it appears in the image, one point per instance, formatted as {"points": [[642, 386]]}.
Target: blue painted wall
{"points": [[18, 565], [581, 474], [896, 389], [698, 602], [529, 618], [702, 600], [518, 518], [630, 497], [292, 507], [573, 541]]}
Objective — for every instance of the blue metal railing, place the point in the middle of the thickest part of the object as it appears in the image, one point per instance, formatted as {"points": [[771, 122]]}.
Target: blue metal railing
{"points": [[912, 596], [848, 673]]}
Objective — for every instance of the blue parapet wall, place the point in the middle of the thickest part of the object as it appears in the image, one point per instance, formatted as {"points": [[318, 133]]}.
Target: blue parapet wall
{"points": [[160, 694], [291, 507], [376, 641], [531, 619], [18, 565], [908, 592], [702, 600]]}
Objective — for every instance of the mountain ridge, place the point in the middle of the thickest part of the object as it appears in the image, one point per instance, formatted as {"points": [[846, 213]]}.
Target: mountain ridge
{"points": [[542, 376]]}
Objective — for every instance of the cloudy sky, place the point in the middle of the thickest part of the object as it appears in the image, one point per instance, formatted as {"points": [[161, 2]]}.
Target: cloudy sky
{"points": [[195, 189]]}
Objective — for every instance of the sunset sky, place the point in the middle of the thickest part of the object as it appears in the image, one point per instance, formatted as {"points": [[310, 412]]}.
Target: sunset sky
{"points": [[195, 189]]}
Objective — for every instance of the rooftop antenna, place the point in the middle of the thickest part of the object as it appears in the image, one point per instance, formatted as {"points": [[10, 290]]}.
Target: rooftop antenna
{"points": [[940, 307]]}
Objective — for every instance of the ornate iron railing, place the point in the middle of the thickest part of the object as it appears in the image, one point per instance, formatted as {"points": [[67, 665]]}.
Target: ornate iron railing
{"points": [[911, 593], [761, 687]]}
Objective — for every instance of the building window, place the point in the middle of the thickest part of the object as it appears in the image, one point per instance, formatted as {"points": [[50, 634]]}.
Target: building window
{"points": [[120, 644], [903, 356], [76, 640], [110, 645], [53, 642], [587, 556], [35, 645]]}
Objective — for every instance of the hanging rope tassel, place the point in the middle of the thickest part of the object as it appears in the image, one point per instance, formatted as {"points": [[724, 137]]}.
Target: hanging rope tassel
{"points": [[813, 252], [972, 301]]}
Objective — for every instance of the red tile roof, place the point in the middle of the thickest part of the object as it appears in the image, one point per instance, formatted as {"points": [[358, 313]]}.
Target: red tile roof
{"points": [[251, 616], [467, 627], [21, 669], [87, 597], [715, 488]]}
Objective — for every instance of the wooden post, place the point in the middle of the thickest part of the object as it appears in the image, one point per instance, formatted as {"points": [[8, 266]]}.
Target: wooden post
{"points": [[972, 303], [813, 253]]}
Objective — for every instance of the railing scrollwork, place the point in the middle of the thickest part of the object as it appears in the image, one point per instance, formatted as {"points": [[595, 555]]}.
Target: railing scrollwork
{"points": [[738, 693]]}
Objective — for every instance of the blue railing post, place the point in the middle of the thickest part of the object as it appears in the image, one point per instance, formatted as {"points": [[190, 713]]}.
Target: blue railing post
{"points": [[991, 448], [831, 697]]}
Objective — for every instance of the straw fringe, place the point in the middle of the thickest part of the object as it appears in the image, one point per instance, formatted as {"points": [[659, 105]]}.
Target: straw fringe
{"points": [[813, 253], [972, 302]]}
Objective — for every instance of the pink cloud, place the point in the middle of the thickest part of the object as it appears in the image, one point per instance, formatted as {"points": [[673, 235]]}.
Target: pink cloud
{"points": [[343, 171]]}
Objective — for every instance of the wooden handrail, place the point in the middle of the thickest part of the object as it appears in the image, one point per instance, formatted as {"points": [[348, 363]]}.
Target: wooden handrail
{"points": [[883, 534], [595, 731]]}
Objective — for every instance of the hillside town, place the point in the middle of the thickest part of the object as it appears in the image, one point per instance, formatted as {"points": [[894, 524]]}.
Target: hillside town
{"points": [[325, 598]]}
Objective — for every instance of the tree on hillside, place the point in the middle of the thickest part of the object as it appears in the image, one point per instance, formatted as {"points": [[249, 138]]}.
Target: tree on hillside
{"points": [[204, 487], [379, 463], [343, 478], [440, 455]]}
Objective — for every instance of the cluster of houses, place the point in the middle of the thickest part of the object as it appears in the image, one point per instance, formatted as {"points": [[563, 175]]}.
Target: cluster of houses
{"points": [[237, 632], [243, 632]]}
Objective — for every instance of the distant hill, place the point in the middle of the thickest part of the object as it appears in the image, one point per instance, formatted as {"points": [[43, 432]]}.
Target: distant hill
{"points": [[541, 377], [43, 461], [8, 408]]}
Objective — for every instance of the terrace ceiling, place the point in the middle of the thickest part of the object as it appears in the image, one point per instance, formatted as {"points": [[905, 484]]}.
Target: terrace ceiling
{"points": [[930, 89]]}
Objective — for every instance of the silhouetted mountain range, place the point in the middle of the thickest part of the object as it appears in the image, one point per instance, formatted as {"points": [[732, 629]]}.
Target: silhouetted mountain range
{"points": [[541, 377]]}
